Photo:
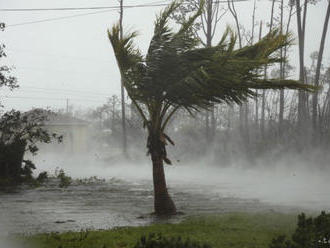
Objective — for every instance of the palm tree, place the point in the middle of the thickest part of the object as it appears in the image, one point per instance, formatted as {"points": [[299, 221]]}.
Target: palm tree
{"points": [[177, 74]]}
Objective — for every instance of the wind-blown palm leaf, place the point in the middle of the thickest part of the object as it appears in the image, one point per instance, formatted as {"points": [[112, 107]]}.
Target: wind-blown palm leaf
{"points": [[176, 73], [126, 54]]}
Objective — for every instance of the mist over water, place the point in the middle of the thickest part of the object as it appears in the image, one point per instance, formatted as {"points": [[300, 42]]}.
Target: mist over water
{"points": [[289, 181], [126, 195]]}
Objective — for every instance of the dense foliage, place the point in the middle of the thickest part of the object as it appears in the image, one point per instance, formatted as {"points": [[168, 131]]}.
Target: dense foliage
{"points": [[19, 133], [310, 233]]}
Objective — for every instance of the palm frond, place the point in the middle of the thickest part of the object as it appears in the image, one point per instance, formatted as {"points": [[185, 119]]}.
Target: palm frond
{"points": [[126, 54], [176, 73]]}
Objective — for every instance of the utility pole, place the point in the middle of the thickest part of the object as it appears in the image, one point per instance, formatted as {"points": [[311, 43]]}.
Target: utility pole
{"points": [[281, 111], [256, 98], [123, 110], [67, 105]]}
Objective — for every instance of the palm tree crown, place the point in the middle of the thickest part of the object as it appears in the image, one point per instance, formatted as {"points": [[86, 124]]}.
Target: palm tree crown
{"points": [[177, 73]]}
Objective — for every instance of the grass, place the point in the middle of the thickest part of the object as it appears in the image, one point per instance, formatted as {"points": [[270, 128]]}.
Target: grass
{"points": [[241, 230]]}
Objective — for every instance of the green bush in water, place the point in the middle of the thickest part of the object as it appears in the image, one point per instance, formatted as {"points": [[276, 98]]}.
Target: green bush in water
{"points": [[310, 233], [65, 180], [42, 177], [158, 241]]}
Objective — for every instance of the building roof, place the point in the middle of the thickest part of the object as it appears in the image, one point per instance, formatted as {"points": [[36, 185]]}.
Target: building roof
{"points": [[56, 119]]}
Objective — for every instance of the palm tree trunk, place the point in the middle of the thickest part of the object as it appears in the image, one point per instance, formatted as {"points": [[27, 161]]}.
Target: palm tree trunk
{"points": [[163, 203]]}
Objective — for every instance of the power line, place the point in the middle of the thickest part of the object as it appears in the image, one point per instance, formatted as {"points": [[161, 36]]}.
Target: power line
{"points": [[85, 8], [108, 9], [48, 98], [44, 54], [57, 18], [67, 90], [66, 95], [155, 4]]}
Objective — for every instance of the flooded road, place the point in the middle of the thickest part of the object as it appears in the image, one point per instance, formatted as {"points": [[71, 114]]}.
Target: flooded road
{"points": [[125, 198], [106, 205]]}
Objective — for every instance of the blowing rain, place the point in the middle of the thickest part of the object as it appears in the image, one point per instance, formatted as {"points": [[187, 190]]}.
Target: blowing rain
{"points": [[192, 123]]}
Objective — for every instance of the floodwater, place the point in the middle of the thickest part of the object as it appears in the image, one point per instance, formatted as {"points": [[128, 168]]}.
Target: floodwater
{"points": [[125, 197]]}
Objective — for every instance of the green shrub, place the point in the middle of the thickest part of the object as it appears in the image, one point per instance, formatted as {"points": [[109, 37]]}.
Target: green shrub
{"points": [[42, 177], [65, 180], [310, 233], [158, 241]]}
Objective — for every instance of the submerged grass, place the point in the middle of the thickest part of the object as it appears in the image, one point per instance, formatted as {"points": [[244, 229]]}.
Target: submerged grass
{"points": [[228, 230]]}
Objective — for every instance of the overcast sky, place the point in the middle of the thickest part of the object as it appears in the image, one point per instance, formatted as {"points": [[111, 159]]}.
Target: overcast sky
{"points": [[72, 58]]}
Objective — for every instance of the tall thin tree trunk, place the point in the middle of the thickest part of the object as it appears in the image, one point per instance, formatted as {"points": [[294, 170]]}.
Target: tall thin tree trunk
{"points": [[263, 105], [301, 33], [318, 69], [231, 7], [122, 89], [207, 126], [209, 20], [263, 101], [283, 67], [246, 104]]}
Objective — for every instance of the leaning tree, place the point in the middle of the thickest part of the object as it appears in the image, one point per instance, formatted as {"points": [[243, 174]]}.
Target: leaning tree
{"points": [[21, 133], [177, 73]]}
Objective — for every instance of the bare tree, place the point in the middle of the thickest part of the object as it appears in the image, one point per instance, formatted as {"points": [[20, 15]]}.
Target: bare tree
{"points": [[232, 9], [318, 67], [301, 26], [208, 23], [263, 101], [283, 64]]}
